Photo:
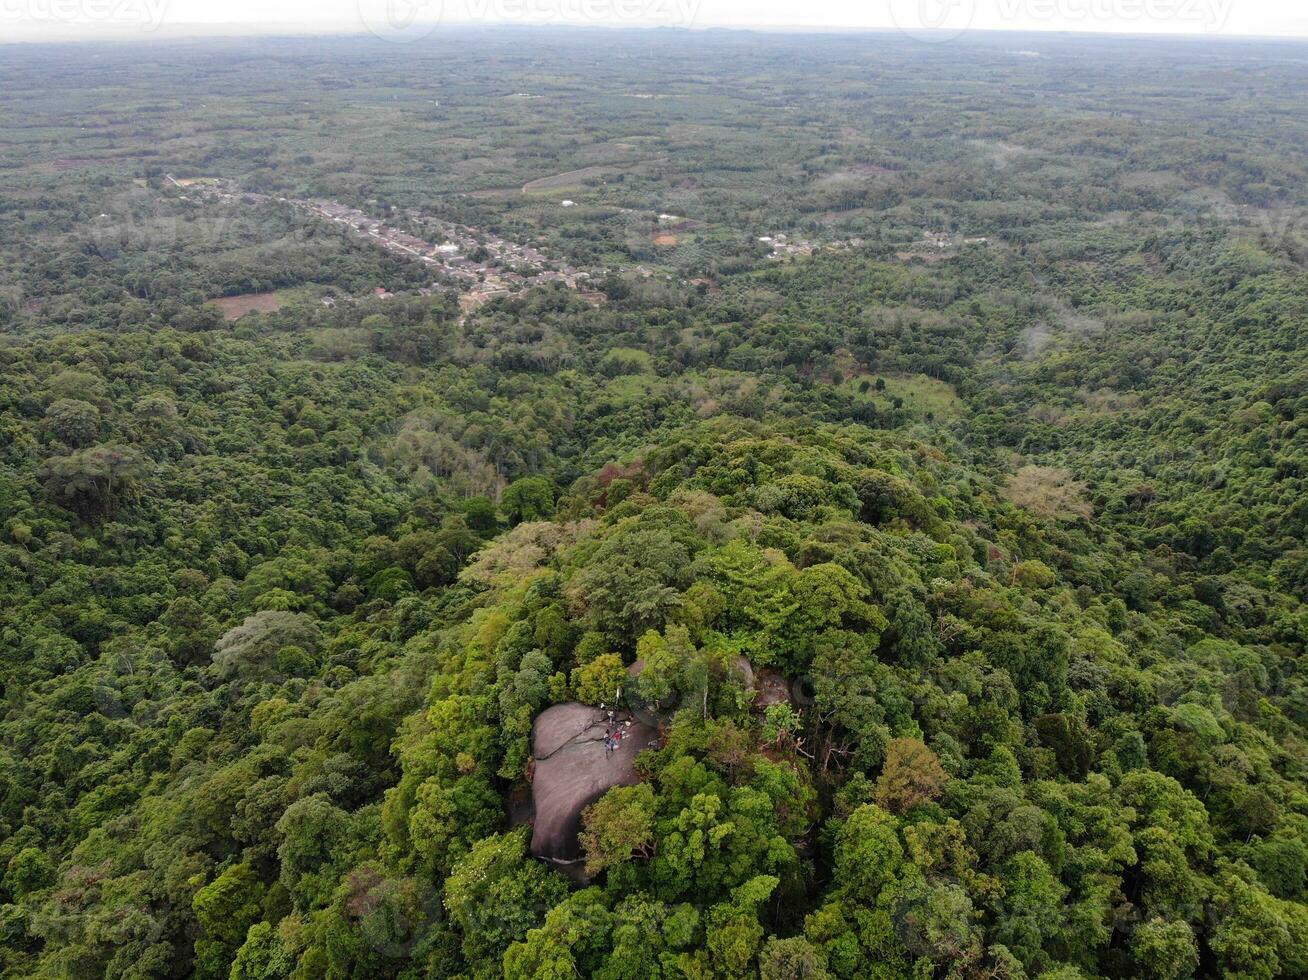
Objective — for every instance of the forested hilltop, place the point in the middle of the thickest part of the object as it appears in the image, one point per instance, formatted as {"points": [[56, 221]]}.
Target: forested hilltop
{"points": [[919, 466]]}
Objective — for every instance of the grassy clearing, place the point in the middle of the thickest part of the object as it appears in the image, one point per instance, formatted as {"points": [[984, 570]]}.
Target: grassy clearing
{"points": [[572, 180], [235, 307], [921, 395]]}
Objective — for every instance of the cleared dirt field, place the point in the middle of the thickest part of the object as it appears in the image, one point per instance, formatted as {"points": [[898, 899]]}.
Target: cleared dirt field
{"points": [[565, 181], [235, 307]]}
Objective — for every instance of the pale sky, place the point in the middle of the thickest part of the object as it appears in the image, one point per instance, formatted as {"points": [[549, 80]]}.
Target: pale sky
{"points": [[412, 20]]}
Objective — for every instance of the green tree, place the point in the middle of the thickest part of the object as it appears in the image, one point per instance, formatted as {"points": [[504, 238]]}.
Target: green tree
{"points": [[225, 908], [28, 871], [496, 893], [617, 827], [792, 959], [1031, 911], [528, 499], [251, 649], [1164, 949], [93, 482], [73, 421], [868, 854], [601, 680]]}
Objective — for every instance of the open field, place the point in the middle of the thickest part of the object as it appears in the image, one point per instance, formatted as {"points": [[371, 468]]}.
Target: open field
{"points": [[572, 180], [920, 395], [235, 307]]}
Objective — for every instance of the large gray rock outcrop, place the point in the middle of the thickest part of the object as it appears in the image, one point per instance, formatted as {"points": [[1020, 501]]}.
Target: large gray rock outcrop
{"points": [[572, 770]]}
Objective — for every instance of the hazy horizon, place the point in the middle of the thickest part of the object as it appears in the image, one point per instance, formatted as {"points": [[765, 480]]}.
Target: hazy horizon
{"points": [[927, 21]]}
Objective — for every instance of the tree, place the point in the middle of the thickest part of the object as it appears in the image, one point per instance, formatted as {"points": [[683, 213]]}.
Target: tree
{"points": [[93, 481], [912, 774], [73, 421], [495, 894], [28, 871], [449, 817], [601, 680], [1070, 741], [573, 940], [733, 932], [481, 515], [792, 959], [617, 827], [375, 925], [1031, 911], [633, 583], [225, 908], [251, 649], [315, 837], [1257, 935], [189, 631], [1164, 949], [868, 854], [662, 662], [528, 499], [913, 636], [263, 956], [780, 723]]}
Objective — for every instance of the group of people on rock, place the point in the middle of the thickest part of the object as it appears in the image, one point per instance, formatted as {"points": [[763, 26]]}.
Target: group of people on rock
{"points": [[614, 731]]}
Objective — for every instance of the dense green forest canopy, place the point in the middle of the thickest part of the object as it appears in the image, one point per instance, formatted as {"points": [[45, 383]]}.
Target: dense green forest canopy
{"points": [[1003, 475]]}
